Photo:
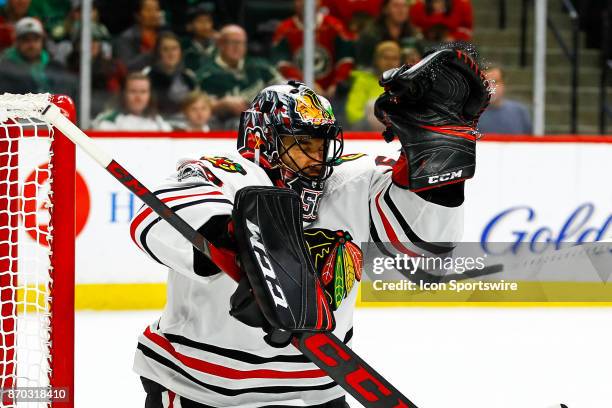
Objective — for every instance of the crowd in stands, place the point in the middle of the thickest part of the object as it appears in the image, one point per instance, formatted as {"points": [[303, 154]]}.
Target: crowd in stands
{"points": [[504, 115], [195, 65]]}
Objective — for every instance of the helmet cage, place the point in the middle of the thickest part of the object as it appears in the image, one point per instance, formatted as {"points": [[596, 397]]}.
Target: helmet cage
{"points": [[333, 143]]}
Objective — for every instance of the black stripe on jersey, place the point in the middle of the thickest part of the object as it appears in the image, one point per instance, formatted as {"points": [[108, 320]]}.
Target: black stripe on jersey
{"points": [[376, 238], [176, 208], [169, 190], [240, 355], [228, 391], [348, 336], [412, 236], [235, 354]]}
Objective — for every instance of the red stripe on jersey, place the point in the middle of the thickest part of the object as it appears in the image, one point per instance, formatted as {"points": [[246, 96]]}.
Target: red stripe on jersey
{"points": [[319, 308], [389, 230], [147, 211], [325, 307], [171, 396], [226, 372]]}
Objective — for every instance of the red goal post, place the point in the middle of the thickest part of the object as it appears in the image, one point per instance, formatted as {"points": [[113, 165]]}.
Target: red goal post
{"points": [[37, 237]]}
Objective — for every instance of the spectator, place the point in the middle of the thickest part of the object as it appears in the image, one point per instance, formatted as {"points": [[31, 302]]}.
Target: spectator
{"points": [[52, 12], [10, 14], [63, 34], [117, 19], [438, 33], [392, 25], [201, 46], [137, 108], [333, 50], [107, 73], [224, 11], [447, 20], [232, 78], [412, 52], [503, 115], [15, 10], [347, 10], [60, 35], [365, 88], [27, 67], [170, 80], [135, 45], [197, 112], [359, 22]]}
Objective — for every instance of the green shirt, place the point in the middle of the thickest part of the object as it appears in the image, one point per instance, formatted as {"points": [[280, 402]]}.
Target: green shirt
{"points": [[53, 12], [36, 70], [218, 79], [196, 54]]}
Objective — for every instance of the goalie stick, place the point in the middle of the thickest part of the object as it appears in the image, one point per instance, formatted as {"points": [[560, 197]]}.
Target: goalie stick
{"points": [[325, 350]]}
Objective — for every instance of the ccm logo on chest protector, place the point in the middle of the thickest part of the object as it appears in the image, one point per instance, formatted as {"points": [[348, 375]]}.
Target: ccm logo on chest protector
{"points": [[444, 177], [264, 263]]}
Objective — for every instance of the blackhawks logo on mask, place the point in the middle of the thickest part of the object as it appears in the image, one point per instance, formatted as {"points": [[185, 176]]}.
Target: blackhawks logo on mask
{"points": [[337, 260], [311, 109]]}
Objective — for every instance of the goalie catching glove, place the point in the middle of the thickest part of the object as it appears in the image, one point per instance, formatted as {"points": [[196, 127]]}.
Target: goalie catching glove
{"points": [[281, 291], [433, 108]]}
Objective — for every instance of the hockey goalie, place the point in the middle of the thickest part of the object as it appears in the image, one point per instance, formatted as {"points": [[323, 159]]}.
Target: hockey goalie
{"points": [[288, 201]]}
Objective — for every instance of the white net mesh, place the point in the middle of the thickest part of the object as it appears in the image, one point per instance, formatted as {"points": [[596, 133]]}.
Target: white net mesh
{"points": [[22, 106], [25, 270]]}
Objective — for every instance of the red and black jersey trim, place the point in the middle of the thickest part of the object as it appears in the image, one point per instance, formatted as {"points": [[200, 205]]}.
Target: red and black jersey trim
{"points": [[154, 389], [143, 213], [234, 354], [147, 352], [170, 190], [176, 208], [376, 238], [389, 230], [412, 236], [240, 355], [225, 370]]}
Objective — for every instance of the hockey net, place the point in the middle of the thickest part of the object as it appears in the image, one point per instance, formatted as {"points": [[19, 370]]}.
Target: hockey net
{"points": [[37, 169]]}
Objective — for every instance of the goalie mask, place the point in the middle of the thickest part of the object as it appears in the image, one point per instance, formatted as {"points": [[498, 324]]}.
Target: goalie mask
{"points": [[292, 133]]}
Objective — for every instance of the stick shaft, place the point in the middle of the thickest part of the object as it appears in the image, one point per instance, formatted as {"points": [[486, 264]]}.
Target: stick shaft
{"points": [[76, 135]]}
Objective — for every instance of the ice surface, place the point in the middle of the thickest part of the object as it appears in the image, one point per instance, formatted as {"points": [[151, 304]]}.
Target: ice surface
{"points": [[439, 357]]}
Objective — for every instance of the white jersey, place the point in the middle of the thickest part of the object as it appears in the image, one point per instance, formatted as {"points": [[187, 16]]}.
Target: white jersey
{"points": [[197, 350]]}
